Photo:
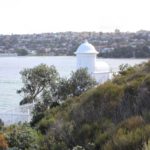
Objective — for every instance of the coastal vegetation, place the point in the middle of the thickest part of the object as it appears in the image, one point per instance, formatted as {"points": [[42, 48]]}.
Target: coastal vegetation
{"points": [[43, 85], [111, 116]]}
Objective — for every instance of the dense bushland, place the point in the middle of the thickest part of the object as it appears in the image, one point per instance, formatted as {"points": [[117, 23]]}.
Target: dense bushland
{"points": [[114, 115], [111, 116]]}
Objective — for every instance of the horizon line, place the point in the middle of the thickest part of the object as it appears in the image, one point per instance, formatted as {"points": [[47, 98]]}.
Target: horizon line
{"points": [[144, 30]]}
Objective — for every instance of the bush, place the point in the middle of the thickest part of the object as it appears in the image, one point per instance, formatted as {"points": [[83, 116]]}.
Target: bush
{"points": [[22, 137], [133, 123], [129, 135]]}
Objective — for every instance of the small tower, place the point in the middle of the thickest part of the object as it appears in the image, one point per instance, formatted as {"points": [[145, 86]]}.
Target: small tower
{"points": [[86, 56]]}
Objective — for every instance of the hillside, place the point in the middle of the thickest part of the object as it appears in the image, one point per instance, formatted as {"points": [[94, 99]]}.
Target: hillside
{"points": [[111, 45], [113, 116]]}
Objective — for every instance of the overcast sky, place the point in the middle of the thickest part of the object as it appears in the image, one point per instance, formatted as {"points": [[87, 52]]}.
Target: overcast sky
{"points": [[37, 16]]}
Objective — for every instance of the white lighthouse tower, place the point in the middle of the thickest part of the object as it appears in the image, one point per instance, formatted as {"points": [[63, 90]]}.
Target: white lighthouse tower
{"points": [[86, 58]]}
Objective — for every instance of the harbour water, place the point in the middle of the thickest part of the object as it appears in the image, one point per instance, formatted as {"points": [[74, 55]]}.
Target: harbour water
{"points": [[10, 79]]}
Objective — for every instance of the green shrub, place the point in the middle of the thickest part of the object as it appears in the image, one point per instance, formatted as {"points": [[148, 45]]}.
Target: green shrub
{"points": [[22, 137], [101, 139], [59, 146], [133, 123], [45, 124], [146, 82], [84, 134], [124, 139]]}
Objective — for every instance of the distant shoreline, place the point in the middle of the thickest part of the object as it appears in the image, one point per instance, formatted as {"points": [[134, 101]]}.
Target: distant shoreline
{"points": [[15, 55]]}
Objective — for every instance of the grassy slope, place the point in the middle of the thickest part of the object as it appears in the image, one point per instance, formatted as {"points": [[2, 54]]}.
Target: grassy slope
{"points": [[113, 116]]}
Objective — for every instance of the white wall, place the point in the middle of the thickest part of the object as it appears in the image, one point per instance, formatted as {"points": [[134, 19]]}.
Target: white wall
{"points": [[86, 61]]}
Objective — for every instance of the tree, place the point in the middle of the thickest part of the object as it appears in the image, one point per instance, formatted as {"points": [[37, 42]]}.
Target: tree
{"points": [[43, 84], [37, 80], [64, 89], [80, 81], [21, 52]]}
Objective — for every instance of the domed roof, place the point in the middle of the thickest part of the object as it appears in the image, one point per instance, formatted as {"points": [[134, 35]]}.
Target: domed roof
{"points": [[86, 48], [102, 67]]}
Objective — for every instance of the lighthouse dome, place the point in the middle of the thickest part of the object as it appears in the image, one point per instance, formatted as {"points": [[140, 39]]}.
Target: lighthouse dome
{"points": [[86, 48]]}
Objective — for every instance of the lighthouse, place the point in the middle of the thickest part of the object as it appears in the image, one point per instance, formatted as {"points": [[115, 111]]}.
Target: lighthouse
{"points": [[87, 58]]}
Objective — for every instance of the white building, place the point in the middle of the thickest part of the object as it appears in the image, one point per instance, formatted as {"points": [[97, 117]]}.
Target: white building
{"points": [[86, 58]]}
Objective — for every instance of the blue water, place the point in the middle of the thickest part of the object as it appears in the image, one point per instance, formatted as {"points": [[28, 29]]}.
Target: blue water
{"points": [[10, 79]]}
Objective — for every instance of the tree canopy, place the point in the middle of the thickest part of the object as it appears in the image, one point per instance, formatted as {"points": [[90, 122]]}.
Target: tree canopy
{"points": [[21, 52], [36, 80], [44, 85]]}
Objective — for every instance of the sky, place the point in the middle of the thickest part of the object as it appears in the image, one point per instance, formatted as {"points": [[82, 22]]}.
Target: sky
{"points": [[41, 16]]}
